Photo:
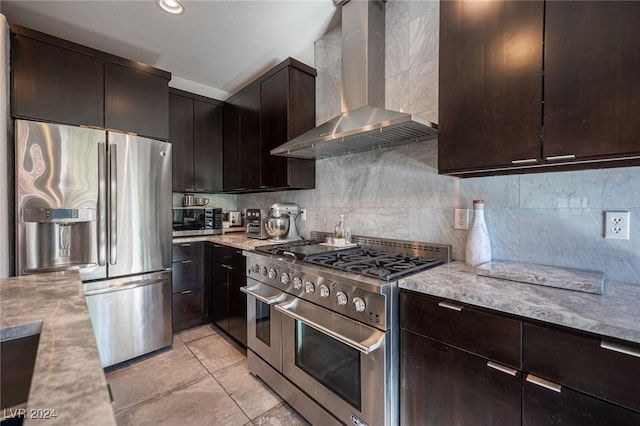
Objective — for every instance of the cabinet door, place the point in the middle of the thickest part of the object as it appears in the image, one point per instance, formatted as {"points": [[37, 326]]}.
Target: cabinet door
{"points": [[442, 385], [274, 128], [207, 146], [542, 406], [136, 101], [238, 300], [591, 84], [55, 84], [248, 103], [231, 145], [181, 137], [490, 99], [218, 308]]}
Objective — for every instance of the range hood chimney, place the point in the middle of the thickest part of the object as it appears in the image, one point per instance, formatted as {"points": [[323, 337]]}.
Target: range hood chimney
{"points": [[364, 123]]}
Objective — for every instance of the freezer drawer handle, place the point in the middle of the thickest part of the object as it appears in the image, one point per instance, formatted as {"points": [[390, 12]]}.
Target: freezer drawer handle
{"points": [[451, 306], [129, 286], [366, 346], [269, 300], [616, 347], [66, 267], [544, 383], [504, 369], [113, 207]]}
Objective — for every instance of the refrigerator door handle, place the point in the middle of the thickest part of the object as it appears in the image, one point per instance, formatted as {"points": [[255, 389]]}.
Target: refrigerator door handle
{"points": [[102, 204], [113, 204]]}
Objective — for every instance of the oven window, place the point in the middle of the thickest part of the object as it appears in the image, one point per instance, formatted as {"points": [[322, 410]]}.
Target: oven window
{"points": [[333, 364], [263, 322]]}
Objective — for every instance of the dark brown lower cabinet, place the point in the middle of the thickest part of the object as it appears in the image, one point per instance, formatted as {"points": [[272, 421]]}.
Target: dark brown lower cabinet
{"points": [[543, 406], [442, 385], [227, 305], [189, 309]]}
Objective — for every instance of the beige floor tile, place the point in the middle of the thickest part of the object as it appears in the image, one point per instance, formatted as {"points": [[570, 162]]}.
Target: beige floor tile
{"points": [[196, 333], [250, 393], [200, 403], [282, 415], [215, 352], [146, 378]]}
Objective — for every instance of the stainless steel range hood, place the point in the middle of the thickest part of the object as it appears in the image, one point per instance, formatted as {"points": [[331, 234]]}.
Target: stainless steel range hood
{"points": [[364, 124]]}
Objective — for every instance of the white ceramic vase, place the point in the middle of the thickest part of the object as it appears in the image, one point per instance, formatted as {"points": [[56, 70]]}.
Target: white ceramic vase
{"points": [[478, 249]]}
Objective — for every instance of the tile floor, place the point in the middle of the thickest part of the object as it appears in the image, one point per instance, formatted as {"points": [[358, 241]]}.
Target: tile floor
{"points": [[202, 380]]}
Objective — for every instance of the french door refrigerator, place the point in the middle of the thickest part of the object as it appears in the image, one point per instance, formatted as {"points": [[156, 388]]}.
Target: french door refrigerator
{"points": [[100, 202]]}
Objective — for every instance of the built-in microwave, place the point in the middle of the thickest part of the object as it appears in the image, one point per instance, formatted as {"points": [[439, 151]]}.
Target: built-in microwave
{"points": [[196, 220]]}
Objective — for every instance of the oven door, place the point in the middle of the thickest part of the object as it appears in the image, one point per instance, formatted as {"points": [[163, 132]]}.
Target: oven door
{"points": [[339, 362], [264, 322]]}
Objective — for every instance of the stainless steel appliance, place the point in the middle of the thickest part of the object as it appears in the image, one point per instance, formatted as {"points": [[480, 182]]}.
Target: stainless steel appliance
{"points": [[99, 202], [235, 218], [281, 223], [255, 224], [323, 324], [188, 221]]}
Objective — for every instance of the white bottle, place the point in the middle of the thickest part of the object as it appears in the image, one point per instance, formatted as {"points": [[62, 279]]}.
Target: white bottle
{"points": [[478, 249]]}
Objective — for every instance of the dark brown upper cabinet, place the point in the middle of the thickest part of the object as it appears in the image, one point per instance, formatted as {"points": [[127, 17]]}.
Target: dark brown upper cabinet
{"points": [[490, 101], [196, 134], [273, 109], [63, 82], [538, 86]]}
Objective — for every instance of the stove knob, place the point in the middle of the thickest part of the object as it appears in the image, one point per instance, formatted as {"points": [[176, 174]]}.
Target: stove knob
{"points": [[273, 273], [263, 271], [309, 287], [324, 291], [359, 304], [255, 268], [297, 283], [284, 278], [342, 298]]}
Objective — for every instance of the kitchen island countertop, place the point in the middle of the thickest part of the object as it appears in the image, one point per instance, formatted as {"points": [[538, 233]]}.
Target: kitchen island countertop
{"points": [[614, 314], [68, 378], [237, 240]]}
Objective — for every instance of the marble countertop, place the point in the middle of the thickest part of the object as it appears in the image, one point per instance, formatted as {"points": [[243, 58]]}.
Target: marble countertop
{"points": [[237, 240], [615, 313], [68, 376]]}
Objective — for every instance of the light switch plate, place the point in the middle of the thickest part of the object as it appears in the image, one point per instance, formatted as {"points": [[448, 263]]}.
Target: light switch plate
{"points": [[616, 225]]}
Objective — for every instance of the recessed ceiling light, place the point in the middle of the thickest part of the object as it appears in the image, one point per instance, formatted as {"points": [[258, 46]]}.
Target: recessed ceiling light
{"points": [[171, 6]]}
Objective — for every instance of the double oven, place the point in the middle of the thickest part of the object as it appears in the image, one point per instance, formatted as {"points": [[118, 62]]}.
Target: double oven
{"points": [[326, 340]]}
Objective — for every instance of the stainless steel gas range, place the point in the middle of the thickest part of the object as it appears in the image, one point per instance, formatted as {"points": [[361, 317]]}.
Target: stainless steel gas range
{"points": [[323, 324]]}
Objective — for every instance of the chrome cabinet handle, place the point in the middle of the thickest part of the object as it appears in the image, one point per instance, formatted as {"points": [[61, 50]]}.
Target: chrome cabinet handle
{"points": [[185, 245], [561, 157], [544, 383], [185, 261], [525, 161], [113, 207], [616, 347], [185, 292], [451, 306], [504, 369]]}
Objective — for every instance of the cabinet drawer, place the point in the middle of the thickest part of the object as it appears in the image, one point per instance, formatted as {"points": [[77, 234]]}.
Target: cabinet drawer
{"points": [[187, 275], [485, 334], [581, 363], [225, 254], [188, 251], [188, 310]]}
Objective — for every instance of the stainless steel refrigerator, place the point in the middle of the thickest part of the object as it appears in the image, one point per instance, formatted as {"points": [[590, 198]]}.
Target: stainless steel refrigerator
{"points": [[100, 202]]}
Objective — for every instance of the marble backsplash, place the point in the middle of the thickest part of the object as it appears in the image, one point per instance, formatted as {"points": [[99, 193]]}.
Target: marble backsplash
{"points": [[554, 218]]}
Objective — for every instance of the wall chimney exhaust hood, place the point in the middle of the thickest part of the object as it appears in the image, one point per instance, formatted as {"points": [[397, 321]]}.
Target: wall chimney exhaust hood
{"points": [[365, 124]]}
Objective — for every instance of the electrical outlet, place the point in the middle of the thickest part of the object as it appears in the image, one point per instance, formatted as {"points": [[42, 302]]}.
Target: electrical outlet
{"points": [[616, 225], [461, 219], [303, 215]]}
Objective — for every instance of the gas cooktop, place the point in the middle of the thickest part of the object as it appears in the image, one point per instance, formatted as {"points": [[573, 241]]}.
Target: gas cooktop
{"points": [[384, 265]]}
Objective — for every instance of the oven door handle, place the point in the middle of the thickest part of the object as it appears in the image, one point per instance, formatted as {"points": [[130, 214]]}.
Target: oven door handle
{"points": [[351, 333], [269, 299]]}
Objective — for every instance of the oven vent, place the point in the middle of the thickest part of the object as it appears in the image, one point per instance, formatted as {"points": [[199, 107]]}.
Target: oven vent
{"points": [[411, 248]]}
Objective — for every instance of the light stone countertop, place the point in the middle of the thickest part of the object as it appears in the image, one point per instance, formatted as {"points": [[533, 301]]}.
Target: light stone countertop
{"points": [[615, 313], [237, 240], [68, 376]]}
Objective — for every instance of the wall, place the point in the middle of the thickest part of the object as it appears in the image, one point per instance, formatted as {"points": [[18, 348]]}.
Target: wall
{"points": [[548, 218]]}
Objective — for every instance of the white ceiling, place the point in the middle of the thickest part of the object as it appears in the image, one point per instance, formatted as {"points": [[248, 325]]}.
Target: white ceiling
{"points": [[214, 48]]}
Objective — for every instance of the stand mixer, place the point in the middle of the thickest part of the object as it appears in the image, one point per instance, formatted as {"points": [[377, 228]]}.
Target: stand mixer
{"points": [[281, 224]]}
